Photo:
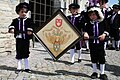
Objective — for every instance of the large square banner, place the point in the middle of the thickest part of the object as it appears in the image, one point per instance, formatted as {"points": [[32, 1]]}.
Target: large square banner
{"points": [[57, 35]]}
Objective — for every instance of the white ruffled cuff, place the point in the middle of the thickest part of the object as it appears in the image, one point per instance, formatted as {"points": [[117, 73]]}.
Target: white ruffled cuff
{"points": [[11, 27], [105, 32], [29, 29]]}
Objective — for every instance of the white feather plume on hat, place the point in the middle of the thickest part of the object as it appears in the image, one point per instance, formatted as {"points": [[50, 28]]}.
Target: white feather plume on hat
{"points": [[99, 12]]}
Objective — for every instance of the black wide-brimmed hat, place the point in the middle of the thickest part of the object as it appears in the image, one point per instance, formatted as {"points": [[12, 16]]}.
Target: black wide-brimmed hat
{"points": [[116, 6], [22, 5], [74, 6]]}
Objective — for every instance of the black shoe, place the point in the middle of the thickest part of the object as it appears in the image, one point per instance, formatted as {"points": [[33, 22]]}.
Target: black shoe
{"points": [[117, 49], [103, 77], [94, 75], [79, 60], [27, 70], [111, 48], [71, 63], [87, 50], [17, 71]]}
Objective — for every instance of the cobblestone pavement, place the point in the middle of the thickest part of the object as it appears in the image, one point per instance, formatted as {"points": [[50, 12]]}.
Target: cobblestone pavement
{"points": [[44, 68]]}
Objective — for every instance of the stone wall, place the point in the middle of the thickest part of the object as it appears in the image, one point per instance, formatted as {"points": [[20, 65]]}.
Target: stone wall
{"points": [[7, 13]]}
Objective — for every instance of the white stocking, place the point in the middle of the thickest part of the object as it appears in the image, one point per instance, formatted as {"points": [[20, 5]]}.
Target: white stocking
{"points": [[79, 53], [26, 63], [19, 64], [72, 55], [94, 65], [102, 68]]}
